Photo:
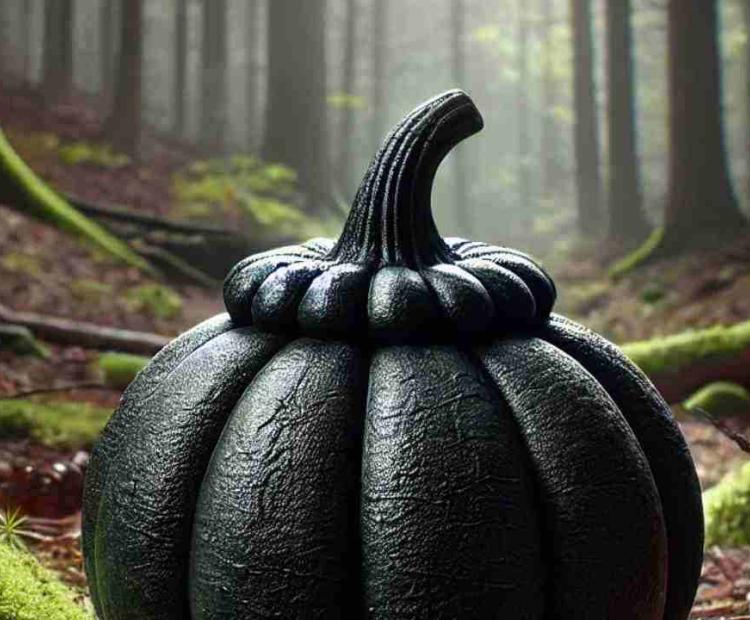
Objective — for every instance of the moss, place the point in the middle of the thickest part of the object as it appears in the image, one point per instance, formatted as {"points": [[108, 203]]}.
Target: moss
{"points": [[720, 399], [727, 509], [119, 369], [671, 353], [28, 591], [100, 155], [652, 293], [638, 256], [66, 425], [21, 263], [23, 189], [90, 291], [21, 341], [154, 299]]}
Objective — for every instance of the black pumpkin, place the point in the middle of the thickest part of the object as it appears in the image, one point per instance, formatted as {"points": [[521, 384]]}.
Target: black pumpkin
{"points": [[392, 426]]}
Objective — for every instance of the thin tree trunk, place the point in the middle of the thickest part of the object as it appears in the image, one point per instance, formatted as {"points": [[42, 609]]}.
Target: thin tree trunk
{"points": [[701, 202], [522, 103], [347, 119], [549, 136], [252, 96], [746, 14], [379, 68], [58, 49], [296, 111], [627, 222], [28, 18], [180, 68], [461, 195], [214, 75], [107, 51], [124, 125], [586, 134]]}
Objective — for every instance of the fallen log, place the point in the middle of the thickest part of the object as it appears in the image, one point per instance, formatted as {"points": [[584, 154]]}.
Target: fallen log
{"points": [[86, 335], [681, 364]]}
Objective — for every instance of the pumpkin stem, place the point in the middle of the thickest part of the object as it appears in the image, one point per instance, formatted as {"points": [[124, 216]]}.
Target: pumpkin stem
{"points": [[391, 220]]}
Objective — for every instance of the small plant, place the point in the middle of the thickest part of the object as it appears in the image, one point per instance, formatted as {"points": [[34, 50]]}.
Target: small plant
{"points": [[100, 155], [11, 528], [155, 299], [652, 293]]}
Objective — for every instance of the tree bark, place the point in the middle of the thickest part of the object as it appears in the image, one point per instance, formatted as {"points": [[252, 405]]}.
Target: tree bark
{"points": [[253, 85], [107, 51], [379, 70], [586, 134], [58, 49], [180, 68], [296, 114], [550, 171], [124, 124], [344, 166], [214, 75], [627, 222], [522, 105], [701, 205], [746, 15], [458, 54]]}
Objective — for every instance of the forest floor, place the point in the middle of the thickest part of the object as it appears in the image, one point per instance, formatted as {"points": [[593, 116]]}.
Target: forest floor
{"points": [[48, 272]]}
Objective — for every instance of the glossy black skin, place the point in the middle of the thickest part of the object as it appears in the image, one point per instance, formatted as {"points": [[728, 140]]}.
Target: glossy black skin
{"points": [[393, 426]]}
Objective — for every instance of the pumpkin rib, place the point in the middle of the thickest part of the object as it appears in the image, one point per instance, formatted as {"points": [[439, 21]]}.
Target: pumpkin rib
{"points": [[448, 506], [601, 508], [121, 421], [275, 531], [146, 510], [662, 443]]}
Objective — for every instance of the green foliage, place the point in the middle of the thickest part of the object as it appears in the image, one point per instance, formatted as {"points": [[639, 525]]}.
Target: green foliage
{"points": [[100, 155], [652, 293], [346, 101], [157, 300], [672, 353], [119, 369], [22, 263], [90, 291], [21, 341], [720, 399], [11, 528], [638, 256], [727, 509], [262, 193], [65, 425], [21, 188], [28, 591]]}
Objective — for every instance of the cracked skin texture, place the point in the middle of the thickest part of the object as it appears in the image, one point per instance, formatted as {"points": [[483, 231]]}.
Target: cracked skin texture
{"points": [[356, 440]]}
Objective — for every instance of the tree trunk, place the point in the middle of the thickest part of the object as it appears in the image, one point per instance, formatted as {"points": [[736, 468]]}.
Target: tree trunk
{"points": [[379, 67], [58, 49], [586, 134], [627, 222], [349, 87], [124, 125], [214, 75], [522, 103], [458, 55], [180, 68], [296, 118], [107, 51], [253, 84], [550, 170], [701, 203], [746, 15]]}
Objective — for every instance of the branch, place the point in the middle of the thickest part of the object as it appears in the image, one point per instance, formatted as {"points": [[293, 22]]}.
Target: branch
{"points": [[87, 335]]}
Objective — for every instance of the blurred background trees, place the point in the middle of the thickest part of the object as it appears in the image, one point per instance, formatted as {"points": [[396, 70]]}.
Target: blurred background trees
{"points": [[605, 119]]}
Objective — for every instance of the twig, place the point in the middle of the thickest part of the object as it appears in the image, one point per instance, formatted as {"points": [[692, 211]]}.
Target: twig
{"points": [[740, 440], [52, 390]]}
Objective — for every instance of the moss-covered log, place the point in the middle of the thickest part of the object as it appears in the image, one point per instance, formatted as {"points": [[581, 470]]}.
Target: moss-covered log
{"points": [[681, 364], [727, 509], [22, 189], [720, 399], [30, 592]]}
